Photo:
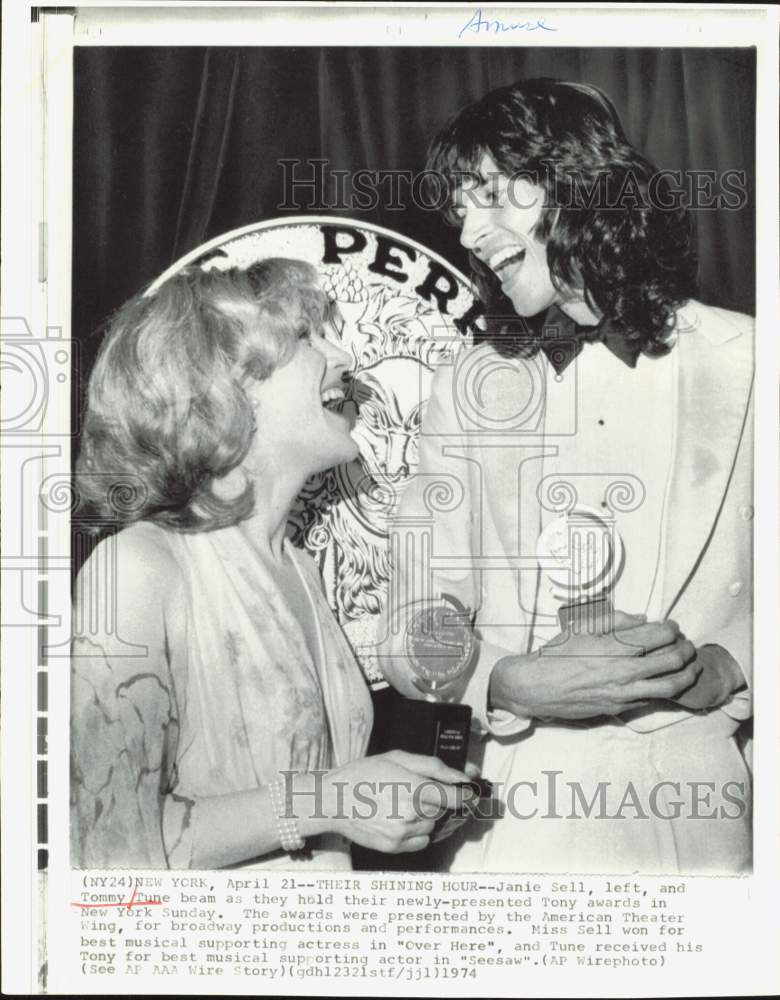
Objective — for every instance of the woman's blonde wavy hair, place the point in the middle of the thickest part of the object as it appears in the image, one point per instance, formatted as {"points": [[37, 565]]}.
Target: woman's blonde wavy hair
{"points": [[167, 409]]}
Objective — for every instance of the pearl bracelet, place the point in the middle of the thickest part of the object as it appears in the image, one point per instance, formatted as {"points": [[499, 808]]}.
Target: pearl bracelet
{"points": [[287, 826]]}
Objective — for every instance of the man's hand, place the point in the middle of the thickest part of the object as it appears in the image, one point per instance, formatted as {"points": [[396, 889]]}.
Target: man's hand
{"points": [[719, 678], [584, 676]]}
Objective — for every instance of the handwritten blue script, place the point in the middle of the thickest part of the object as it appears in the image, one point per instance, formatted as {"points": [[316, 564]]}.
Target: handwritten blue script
{"points": [[477, 22]]}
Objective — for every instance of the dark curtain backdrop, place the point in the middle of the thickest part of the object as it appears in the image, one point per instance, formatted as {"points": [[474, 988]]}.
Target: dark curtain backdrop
{"points": [[173, 146]]}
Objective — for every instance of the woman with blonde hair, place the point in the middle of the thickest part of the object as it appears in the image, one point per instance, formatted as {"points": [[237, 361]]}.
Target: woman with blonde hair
{"points": [[218, 715]]}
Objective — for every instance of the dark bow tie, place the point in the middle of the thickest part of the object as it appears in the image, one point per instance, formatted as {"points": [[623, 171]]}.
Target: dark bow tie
{"points": [[563, 339]]}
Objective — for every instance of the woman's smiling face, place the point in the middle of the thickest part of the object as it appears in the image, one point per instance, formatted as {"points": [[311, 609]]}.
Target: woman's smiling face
{"points": [[296, 407]]}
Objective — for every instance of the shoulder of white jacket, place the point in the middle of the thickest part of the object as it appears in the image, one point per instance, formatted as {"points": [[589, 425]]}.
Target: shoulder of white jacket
{"points": [[716, 325]]}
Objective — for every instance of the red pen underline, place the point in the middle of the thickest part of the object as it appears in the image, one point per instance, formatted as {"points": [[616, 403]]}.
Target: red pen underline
{"points": [[128, 905]]}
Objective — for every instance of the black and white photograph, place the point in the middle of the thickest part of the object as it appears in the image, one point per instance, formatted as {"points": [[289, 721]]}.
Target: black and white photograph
{"points": [[410, 507], [596, 406]]}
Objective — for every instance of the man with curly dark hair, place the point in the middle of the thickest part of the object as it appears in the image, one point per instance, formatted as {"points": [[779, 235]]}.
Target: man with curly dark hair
{"points": [[611, 237], [605, 460]]}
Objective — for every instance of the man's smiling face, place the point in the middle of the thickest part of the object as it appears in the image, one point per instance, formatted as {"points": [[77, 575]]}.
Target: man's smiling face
{"points": [[498, 216]]}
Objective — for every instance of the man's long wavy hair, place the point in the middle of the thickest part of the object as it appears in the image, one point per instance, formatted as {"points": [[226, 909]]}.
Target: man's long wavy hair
{"points": [[167, 412], [603, 223]]}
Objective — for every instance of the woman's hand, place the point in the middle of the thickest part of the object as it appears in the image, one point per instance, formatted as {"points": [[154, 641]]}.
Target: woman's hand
{"points": [[389, 802]]}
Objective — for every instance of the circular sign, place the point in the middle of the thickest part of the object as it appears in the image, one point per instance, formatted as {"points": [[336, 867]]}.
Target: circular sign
{"points": [[402, 311]]}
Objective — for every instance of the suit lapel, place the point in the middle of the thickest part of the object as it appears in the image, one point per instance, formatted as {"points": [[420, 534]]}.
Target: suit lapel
{"points": [[714, 381]]}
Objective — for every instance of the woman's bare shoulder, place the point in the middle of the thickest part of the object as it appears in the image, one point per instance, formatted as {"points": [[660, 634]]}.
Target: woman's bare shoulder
{"points": [[133, 575], [140, 548]]}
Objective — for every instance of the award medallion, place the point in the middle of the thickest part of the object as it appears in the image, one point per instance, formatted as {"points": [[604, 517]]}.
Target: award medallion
{"points": [[581, 556], [439, 644]]}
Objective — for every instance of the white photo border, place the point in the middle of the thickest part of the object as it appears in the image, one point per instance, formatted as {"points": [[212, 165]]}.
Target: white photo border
{"points": [[36, 292]]}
